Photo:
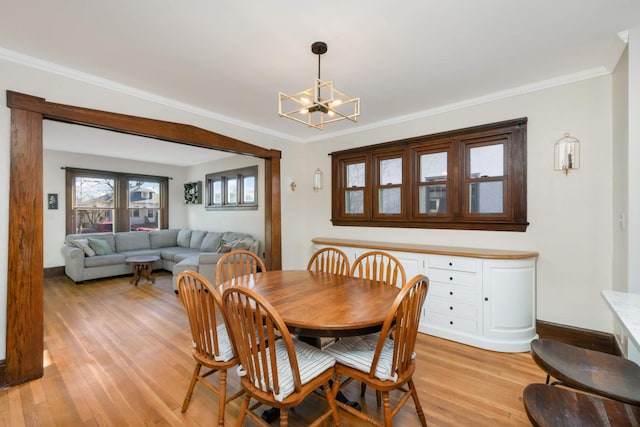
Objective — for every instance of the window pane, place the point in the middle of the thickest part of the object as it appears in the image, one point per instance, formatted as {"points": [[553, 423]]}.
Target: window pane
{"points": [[217, 192], [146, 220], [355, 175], [93, 220], [487, 161], [249, 189], [485, 197], [94, 192], [232, 191], [391, 171], [433, 167], [433, 199], [354, 202], [144, 194], [389, 200]]}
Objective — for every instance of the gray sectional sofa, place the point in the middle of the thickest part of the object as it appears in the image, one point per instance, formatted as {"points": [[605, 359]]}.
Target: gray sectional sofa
{"points": [[98, 255]]}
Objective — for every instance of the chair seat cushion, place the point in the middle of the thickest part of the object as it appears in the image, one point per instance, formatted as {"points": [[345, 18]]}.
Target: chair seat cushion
{"points": [[311, 362], [358, 353], [225, 350]]}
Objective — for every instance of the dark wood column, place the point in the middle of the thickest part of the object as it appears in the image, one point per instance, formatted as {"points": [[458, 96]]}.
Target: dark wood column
{"points": [[272, 224], [25, 279]]}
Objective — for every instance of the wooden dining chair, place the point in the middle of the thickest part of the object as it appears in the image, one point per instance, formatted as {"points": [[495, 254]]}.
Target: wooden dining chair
{"points": [[276, 372], [548, 406], [600, 373], [329, 260], [212, 348], [382, 363], [238, 263], [379, 266], [383, 267]]}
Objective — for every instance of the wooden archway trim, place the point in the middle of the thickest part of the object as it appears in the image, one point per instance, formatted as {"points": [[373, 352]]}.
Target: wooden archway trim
{"points": [[25, 280]]}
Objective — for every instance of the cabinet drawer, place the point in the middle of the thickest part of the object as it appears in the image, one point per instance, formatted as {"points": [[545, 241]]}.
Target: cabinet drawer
{"points": [[448, 291], [453, 277], [451, 322], [453, 263], [453, 307]]}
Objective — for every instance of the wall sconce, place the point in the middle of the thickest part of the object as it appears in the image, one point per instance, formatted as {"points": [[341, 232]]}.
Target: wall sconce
{"points": [[317, 180], [567, 154]]}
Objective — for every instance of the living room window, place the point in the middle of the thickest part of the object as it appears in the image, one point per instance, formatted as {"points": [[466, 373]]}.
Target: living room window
{"points": [[232, 189], [106, 202], [473, 178]]}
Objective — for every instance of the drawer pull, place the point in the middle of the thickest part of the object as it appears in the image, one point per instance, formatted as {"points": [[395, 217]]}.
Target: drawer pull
{"points": [[451, 322], [451, 308], [450, 278], [450, 292], [486, 298], [450, 264]]}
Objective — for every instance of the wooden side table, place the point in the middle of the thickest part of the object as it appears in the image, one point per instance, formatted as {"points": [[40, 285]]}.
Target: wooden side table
{"points": [[142, 266]]}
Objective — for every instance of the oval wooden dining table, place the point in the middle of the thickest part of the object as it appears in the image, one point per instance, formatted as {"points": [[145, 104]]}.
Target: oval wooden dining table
{"points": [[318, 304]]}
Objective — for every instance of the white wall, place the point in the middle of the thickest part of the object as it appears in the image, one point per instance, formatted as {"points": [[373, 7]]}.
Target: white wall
{"points": [[620, 116], [54, 182], [570, 216], [634, 156]]}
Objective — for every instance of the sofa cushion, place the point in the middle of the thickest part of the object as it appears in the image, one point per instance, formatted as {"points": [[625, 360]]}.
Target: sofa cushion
{"points": [[84, 245], [196, 238], [184, 238], [100, 246], [183, 255], [132, 240], [211, 242], [170, 253], [104, 260], [141, 252], [163, 238]]}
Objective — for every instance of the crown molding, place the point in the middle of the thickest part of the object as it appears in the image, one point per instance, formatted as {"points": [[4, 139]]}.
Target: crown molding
{"points": [[51, 67], [32, 62]]}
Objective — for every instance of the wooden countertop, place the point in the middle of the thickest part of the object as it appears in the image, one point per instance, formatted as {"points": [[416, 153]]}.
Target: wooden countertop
{"points": [[427, 249]]}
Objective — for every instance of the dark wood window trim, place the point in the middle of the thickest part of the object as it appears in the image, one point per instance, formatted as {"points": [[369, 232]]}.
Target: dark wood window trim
{"points": [[458, 214], [223, 178], [121, 204]]}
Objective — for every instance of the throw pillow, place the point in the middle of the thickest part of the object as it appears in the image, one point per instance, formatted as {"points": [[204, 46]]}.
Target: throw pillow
{"points": [[211, 242], [84, 245], [101, 247], [236, 244]]}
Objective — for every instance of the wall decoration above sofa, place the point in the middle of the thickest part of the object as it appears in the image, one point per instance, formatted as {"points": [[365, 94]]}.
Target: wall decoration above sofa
{"points": [[193, 193]]}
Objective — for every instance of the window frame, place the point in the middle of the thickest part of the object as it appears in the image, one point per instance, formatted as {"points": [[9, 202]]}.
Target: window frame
{"points": [[121, 208], [458, 144], [224, 177]]}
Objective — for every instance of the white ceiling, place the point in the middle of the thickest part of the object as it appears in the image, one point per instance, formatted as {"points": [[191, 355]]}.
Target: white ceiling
{"points": [[229, 58]]}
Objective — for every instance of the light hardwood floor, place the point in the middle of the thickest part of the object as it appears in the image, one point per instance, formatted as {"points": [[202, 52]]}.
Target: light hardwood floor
{"points": [[118, 355]]}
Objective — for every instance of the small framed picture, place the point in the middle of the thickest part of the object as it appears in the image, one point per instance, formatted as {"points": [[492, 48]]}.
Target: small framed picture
{"points": [[52, 200]]}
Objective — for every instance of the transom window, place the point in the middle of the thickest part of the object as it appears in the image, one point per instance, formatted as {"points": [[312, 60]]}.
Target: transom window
{"points": [[472, 178], [233, 189], [106, 202]]}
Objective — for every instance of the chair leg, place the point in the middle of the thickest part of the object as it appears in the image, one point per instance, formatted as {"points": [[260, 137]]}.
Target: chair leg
{"points": [[416, 402], [363, 389], [194, 379], [222, 396], [332, 404], [378, 398], [243, 410], [388, 418], [284, 417]]}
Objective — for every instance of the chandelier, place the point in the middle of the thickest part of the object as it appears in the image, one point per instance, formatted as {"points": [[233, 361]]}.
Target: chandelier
{"points": [[320, 104]]}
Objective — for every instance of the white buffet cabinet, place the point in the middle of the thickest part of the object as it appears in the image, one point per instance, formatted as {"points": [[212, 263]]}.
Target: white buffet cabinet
{"points": [[480, 297]]}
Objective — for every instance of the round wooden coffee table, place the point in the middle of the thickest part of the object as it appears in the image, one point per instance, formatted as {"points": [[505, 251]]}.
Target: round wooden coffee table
{"points": [[142, 266]]}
